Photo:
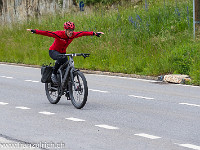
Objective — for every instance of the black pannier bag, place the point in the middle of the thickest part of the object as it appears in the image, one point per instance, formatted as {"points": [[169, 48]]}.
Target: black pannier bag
{"points": [[46, 71]]}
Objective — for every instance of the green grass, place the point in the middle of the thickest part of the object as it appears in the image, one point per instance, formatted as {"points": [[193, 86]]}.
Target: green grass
{"points": [[152, 39]]}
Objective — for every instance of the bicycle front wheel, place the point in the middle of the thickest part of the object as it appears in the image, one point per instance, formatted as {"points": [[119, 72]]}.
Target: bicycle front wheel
{"points": [[78, 91], [52, 92]]}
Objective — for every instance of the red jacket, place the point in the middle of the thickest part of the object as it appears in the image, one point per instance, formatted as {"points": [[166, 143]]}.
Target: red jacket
{"points": [[62, 41]]}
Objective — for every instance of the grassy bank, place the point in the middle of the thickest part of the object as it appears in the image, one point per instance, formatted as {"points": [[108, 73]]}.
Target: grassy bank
{"points": [[153, 38]]}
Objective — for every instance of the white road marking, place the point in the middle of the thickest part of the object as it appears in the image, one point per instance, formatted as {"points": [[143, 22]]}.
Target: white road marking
{"points": [[3, 103], [74, 119], [22, 107], [195, 105], [19, 66], [184, 85], [107, 127], [121, 77], [142, 97], [148, 136], [31, 81], [9, 77], [46, 113], [6, 77], [98, 91], [191, 146]]}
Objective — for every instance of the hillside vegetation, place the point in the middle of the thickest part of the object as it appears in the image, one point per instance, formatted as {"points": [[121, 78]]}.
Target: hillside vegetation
{"points": [[153, 38]]}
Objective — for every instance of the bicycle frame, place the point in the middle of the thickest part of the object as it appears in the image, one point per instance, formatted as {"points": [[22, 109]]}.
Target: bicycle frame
{"points": [[69, 70]]}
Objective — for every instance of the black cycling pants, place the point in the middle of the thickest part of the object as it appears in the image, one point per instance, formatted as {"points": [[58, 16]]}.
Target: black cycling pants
{"points": [[60, 59]]}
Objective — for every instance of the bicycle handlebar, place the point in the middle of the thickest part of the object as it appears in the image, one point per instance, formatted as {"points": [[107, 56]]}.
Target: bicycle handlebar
{"points": [[77, 54]]}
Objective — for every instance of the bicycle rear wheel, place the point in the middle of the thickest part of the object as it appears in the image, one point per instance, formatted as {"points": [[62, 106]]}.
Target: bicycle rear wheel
{"points": [[78, 91], [52, 92]]}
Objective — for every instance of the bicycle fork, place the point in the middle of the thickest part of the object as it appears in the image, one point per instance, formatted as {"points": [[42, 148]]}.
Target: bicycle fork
{"points": [[63, 81]]}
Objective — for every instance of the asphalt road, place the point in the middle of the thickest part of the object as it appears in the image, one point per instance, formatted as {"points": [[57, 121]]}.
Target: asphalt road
{"points": [[120, 114]]}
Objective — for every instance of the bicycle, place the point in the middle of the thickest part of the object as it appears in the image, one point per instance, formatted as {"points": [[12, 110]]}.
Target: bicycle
{"points": [[71, 83]]}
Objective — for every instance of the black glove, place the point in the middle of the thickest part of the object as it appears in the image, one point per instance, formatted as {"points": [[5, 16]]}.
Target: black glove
{"points": [[98, 34], [33, 31]]}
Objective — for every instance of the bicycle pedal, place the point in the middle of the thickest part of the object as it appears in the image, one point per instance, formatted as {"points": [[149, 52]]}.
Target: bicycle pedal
{"points": [[67, 95]]}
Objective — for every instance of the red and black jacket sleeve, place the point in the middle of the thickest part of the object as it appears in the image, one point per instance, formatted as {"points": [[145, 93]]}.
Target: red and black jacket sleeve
{"points": [[47, 33], [83, 33]]}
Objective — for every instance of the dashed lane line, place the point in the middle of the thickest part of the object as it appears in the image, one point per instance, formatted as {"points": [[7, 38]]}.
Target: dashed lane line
{"points": [[107, 127], [98, 91], [75, 119], [191, 146], [46, 113], [194, 105], [6, 77], [141, 97], [22, 107], [3, 103], [32, 81], [9, 77], [153, 137]]}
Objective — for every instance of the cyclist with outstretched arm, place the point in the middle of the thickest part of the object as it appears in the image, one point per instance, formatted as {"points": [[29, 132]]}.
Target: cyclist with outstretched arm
{"points": [[61, 42]]}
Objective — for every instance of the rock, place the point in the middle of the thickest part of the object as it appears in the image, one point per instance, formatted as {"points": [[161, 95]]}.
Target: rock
{"points": [[176, 78]]}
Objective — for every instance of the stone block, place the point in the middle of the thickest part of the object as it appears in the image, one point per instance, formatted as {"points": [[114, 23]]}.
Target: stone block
{"points": [[176, 78]]}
